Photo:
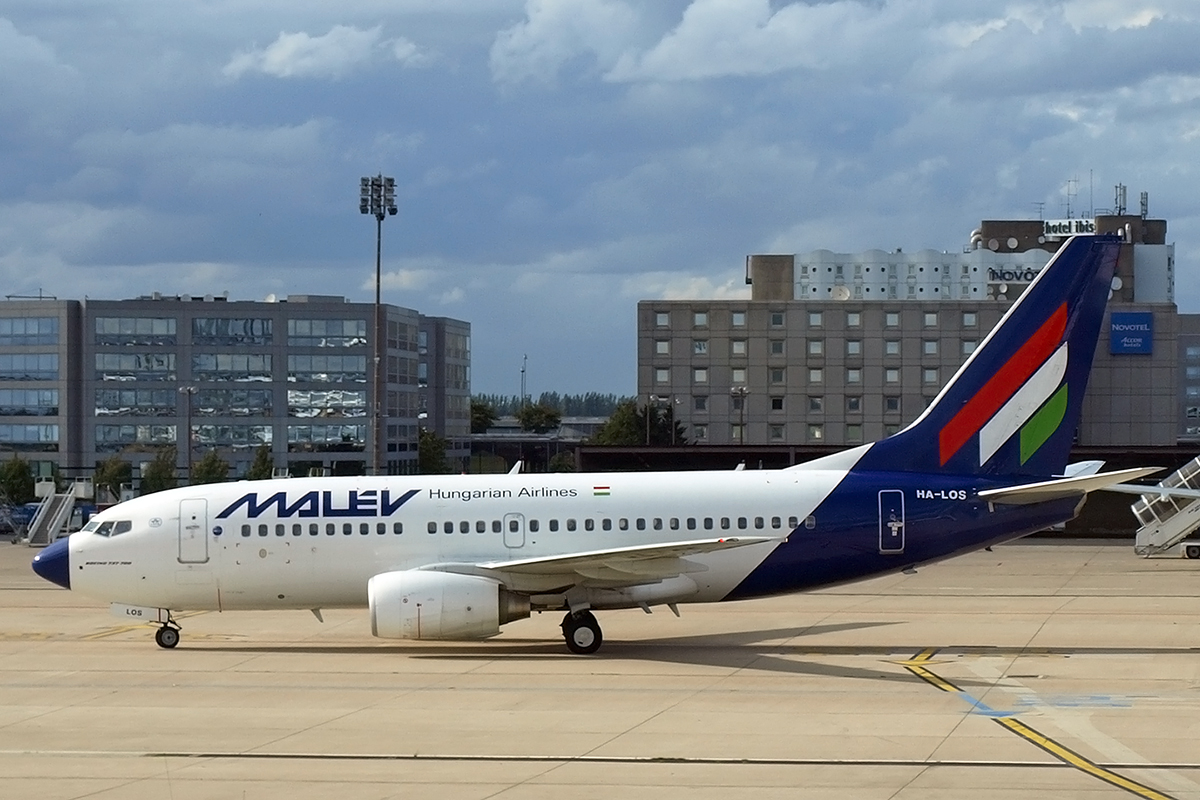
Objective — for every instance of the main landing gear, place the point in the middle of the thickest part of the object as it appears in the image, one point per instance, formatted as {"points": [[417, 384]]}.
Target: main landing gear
{"points": [[168, 635], [582, 633]]}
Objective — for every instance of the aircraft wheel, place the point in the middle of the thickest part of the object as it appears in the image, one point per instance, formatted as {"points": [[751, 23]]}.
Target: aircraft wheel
{"points": [[167, 637], [582, 633], [1192, 551]]}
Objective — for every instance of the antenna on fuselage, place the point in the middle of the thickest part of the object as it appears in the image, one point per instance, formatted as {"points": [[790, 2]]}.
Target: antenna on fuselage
{"points": [[516, 467]]}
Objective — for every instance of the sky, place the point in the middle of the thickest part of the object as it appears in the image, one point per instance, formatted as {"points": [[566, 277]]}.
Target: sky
{"points": [[557, 161]]}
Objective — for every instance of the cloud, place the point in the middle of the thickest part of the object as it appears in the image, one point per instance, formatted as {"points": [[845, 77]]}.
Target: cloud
{"points": [[332, 56], [556, 32]]}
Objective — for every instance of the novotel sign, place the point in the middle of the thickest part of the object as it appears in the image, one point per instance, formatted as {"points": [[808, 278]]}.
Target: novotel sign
{"points": [[1131, 332], [1067, 227]]}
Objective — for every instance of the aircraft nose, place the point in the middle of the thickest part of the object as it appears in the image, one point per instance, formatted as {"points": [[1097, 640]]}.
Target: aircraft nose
{"points": [[54, 563]]}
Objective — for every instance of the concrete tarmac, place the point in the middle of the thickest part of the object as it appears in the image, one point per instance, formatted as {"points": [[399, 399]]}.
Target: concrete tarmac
{"points": [[1042, 669]]}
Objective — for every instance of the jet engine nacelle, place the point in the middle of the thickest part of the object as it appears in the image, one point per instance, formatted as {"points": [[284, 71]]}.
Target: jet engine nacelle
{"points": [[425, 604]]}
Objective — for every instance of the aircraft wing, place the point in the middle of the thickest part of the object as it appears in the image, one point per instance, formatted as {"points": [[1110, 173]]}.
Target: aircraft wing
{"points": [[1042, 491], [636, 560]]}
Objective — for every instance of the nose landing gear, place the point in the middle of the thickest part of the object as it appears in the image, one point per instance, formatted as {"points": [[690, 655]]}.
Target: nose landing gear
{"points": [[582, 633]]}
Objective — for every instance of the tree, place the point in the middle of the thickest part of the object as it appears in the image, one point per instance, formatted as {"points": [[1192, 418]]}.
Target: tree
{"points": [[538, 418], [629, 426], [112, 474], [210, 469], [563, 462], [483, 415], [16, 480], [263, 466], [431, 453], [160, 474]]}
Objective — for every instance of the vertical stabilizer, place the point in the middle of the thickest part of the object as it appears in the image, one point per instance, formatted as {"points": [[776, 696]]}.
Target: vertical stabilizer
{"points": [[1014, 406]]}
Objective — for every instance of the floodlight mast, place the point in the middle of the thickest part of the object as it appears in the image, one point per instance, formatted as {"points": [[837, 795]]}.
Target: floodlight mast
{"points": [[377, 196]]}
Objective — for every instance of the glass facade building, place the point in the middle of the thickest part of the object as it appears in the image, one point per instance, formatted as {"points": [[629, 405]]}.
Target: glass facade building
{"points": [[81, 381]]}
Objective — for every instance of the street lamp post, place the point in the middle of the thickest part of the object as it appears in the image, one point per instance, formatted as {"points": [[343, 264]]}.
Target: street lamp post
{"points": [[377, 196], [739, 394], [651, 400], [187, 392]]}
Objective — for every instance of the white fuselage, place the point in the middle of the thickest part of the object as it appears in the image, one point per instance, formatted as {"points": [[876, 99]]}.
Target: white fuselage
{"points": [[318, 543]]}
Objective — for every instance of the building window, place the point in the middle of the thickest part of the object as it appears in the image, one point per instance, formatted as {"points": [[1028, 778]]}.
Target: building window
{"points": [[328, 332], [776, 319], [662, 319], [700, 433], [326, 438], [929, 347], [131, 366], [302, 403], [42, 402], [815, 319], [968, 346], [854, 403], [662, 347], [854, 432], [662, 375], [738, 402], [778, 375], [737, 347], [230, 331], [816, 375], [776, 347], [700, 319], [124, 331], [30, 366], [114, 438], [25, 331], [969, 319], [853, 375], [1193, 353], [777, 404], [816, 403], [891, 347], [929, 375], [930, 319], [29, 438], [737, 319], [737, 376], [891, 319], [735, 433], [700, 402], [816, 433], [853, 347], [853, 319], [891, 403], [238, 367], [700, 375], [816, 347], [700, 347], [775, 433], [334, 369], [891, 429], [891, 375], [237, 437]]}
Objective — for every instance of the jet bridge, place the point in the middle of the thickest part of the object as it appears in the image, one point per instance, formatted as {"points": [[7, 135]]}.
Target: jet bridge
{"points": [[1168, 518]]}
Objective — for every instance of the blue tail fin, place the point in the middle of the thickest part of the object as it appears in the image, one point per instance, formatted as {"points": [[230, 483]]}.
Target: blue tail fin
{"points": [[1013, 407]]}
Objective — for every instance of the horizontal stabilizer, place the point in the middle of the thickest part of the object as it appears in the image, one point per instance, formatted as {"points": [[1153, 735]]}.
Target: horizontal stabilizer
{"points": [[1043, 491]]}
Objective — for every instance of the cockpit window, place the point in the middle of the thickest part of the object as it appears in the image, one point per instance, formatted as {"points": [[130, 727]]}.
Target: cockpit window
{"points": [[105, 529], [123, 526], [91, 526]]}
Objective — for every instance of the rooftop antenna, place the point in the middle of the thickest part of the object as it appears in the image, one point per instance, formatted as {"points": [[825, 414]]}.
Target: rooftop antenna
{"points": [[524, 364], [1119, 200], [1145, 205], [1072, 192], [1041, 206]]}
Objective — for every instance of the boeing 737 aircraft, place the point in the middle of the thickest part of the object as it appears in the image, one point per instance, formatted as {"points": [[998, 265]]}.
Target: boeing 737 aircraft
{"points": [[456, 557]]}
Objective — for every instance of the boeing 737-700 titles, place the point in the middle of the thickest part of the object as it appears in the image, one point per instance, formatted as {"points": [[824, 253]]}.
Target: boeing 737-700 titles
{"points": [[456, 557]]}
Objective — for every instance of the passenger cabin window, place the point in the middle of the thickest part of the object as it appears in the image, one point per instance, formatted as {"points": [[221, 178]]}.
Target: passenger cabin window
{"points": [[589, 524], [606, 524], [480, 526], [433, 527], [347, 528], [495, 526], [448, 526], [570, 524], [553, 524], [262, 530], [280, 529], [533, 525]]}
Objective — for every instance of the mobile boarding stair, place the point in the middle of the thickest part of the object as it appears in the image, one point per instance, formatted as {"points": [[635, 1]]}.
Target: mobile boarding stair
{"points": [[1166, 520]]}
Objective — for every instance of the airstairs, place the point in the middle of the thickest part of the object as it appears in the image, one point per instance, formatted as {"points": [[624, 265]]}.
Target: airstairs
{"points": [[50, 518], [1166, 520]]}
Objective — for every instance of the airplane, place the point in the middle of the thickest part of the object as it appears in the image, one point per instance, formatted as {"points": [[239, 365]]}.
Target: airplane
{"points": [[455, 557]]}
